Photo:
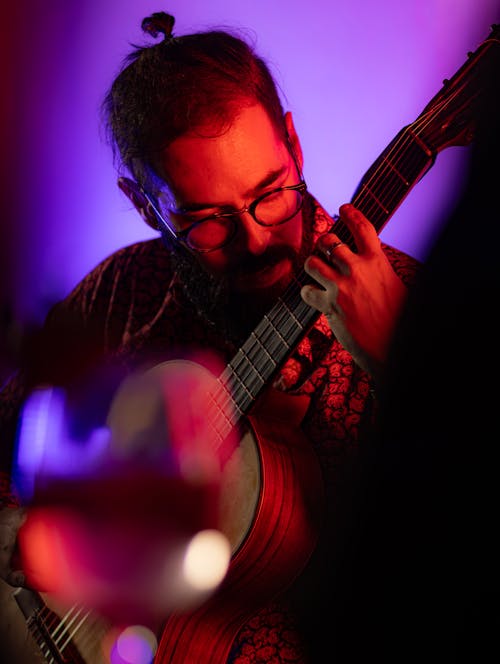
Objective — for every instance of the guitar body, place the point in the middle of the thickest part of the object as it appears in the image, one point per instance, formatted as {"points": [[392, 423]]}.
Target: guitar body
{"points": [[272, 522], [270, 500], [269, 508]]}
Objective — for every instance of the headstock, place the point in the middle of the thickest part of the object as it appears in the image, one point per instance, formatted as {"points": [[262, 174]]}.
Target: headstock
{"points": [[450, 117]]}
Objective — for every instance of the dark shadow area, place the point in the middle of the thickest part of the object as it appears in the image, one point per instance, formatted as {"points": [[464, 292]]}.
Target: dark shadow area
{"points": [[416, 576]]}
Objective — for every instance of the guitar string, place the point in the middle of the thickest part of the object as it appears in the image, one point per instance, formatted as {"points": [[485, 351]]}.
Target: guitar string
{"points": [[63, 621], [425, 118], [71, 634], [51, 621], [91, 640], [63, 628], [42, 637], [41, 641], [45, 638], [225, 398]]}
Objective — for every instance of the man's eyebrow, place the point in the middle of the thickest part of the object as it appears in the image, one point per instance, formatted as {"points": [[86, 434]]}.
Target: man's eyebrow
{"points": [[270, 178]]}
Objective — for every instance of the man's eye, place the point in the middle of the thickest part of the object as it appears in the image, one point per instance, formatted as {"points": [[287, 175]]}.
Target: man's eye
{"points": [[186, 219], [272, 196], [195, 217], [189, 219]]}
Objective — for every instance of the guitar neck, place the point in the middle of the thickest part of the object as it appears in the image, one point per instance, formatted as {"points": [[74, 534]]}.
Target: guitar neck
{"points": [[448, 119], [380, 192], [389, 180]]}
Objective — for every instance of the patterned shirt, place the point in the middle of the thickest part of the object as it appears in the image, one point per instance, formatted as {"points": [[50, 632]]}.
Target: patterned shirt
{"points": [[132, 303]]}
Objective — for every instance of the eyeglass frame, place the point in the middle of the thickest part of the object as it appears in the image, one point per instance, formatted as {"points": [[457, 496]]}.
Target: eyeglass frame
{"points": [[179, 236]]}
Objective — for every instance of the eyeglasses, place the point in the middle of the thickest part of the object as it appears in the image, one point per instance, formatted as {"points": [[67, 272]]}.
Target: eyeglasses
{"points": [[273, 208]]}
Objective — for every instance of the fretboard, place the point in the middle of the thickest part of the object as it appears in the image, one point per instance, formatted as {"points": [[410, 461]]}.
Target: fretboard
{"points": [[380, 192], [53, 635]]}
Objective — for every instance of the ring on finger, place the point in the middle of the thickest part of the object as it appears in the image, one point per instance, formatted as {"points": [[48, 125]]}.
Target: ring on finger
{"points": [[332, 248]]}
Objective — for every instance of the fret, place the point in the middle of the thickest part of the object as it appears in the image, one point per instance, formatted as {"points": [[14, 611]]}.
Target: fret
{"points": [[391, 177], [278, 332], [285, 323], [220, 422], [253, 365], [419, 142], [299, 325], [225, 412], [267, 341], [246, 369], [241, 394], [395, 170], [235, 377], [225, 405], [278, 336], [366, 188], [408, 162], [262, 347]]}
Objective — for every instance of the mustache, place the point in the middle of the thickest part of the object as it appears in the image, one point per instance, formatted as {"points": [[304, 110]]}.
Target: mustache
{"points": [[252, 264]]}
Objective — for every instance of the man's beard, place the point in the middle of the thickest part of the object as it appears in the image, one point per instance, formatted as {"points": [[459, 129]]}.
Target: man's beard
{"points": [[235, 314]]}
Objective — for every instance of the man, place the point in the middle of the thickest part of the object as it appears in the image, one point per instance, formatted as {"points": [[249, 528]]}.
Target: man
{"points": [[209, 157]]}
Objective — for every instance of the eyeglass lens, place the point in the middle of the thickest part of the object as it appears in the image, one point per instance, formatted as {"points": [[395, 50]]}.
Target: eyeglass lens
{"points": [[271, 210]]}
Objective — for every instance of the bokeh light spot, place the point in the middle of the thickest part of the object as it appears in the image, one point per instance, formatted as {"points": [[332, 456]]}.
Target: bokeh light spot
{"points": [[206, 559], [135, 645]]}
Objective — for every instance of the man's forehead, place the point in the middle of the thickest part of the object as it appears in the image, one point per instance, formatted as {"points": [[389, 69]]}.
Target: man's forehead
{"points": [[250, 152], [251, 125]]}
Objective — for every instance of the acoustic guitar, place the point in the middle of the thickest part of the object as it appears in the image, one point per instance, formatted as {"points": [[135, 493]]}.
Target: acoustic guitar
{"points": [[272, 507]]}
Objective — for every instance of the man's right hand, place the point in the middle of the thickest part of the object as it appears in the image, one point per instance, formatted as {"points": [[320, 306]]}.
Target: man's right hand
{"points": [[360, 293]]}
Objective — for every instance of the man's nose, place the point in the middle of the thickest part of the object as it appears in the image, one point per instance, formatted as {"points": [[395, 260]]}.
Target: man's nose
{"points": [[255, 236]]}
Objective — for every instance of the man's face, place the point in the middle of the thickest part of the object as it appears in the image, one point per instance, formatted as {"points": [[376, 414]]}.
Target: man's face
{"points": [[207, 175]]}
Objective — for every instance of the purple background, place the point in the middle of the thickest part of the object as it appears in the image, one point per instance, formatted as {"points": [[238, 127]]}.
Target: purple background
{"points": [[354, 73]]}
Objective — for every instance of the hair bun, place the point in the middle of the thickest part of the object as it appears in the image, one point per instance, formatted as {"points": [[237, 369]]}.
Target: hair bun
{"points": [[158, 22]]}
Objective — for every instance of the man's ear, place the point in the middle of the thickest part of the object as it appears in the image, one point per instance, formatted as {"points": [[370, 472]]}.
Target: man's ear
{"points": [[294, 139], [139, 200]]}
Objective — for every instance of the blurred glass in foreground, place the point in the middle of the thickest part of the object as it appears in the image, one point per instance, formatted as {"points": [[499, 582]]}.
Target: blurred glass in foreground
{"points": [[123, 515]]}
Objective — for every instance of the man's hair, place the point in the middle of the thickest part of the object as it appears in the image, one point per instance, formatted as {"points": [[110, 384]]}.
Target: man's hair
{"points": [[193, 83]]}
